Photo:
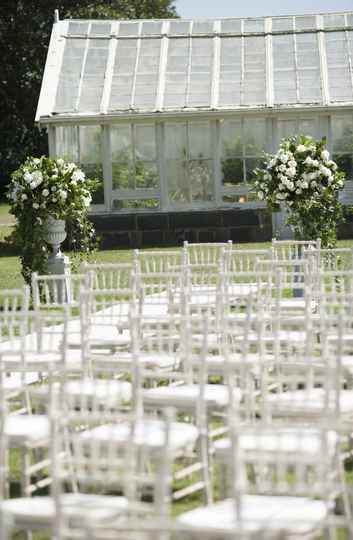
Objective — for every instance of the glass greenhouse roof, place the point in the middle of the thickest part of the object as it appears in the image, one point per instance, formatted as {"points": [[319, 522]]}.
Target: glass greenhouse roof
{"points": [[146, 66]]}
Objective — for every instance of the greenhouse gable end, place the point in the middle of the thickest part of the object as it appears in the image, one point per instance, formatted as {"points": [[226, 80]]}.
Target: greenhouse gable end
{"points": [[173, 116]]}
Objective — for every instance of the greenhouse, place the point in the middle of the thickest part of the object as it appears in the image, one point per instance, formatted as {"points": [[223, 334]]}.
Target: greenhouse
{"points": [[173, 116]]}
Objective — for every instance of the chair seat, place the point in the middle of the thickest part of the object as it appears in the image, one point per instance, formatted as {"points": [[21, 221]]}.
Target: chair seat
{"points": [[107, 392], [123, 360], [148, 433], [302, 402], [289, 440], [27, 429], [294, 515], [39, 512], [186, 396]]}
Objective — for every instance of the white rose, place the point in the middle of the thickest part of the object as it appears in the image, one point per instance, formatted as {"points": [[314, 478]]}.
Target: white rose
{"points": [[292, 163], [315, 163], [282, 168], [45, 192], [291, 172], [53, 189], [37, 177], [28, 177], [325, 155], [304, 185], [77, 176], [301, 148], [284, 158], [24, 197], [35, 205], [87, 200], [60, 162], [298, 191]]}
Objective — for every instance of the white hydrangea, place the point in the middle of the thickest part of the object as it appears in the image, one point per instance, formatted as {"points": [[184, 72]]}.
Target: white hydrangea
{"points": [[45, 192], [77, 176], [291, 172], [282, 168]]}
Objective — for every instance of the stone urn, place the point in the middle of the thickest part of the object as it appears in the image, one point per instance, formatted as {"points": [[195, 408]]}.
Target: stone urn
{"points": [[55, 234]]}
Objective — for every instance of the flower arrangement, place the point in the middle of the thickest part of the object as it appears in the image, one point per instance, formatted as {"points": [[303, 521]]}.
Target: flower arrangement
{"points": [[44, 187], [303, 179]]}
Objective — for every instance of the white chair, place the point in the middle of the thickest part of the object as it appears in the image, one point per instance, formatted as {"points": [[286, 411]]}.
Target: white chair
{"points": [[159, 261], [293, 249], [210, 253], [275, 493], [97, 476]]}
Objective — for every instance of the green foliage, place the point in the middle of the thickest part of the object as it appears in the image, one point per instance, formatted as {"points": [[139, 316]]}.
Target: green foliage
{"points": [[43, 188], [302, 178], [25, 28]]}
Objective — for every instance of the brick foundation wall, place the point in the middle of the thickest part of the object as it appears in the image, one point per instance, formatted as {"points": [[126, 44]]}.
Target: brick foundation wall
{"points": [[170, 229]]}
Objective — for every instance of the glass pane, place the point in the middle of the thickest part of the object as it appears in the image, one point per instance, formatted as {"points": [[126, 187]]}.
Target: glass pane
{"points": [[147, 73], [136, 204], [342, 133], [230, 71], [201, 180], [345, 163], [231, 136], [279, 23], [200, 140], [175, 141], [93, 76], [67, 143], [232, 172], [69, 77], [284, 69], [176, 73], [340, 80], [95, 171], [308, 63], [121, 176], [145, 142], [250, 165], [254, 70], [287, 128], [254, 25], [178, 182], [231, 25], [308, 126], [146, 175], [123, 74], [179, 27], [90, 144], [254, 135], [199, 88], [120, 141]]}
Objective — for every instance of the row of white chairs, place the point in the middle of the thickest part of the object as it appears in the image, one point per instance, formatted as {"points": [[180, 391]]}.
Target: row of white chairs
{"points": [[266, 345]]}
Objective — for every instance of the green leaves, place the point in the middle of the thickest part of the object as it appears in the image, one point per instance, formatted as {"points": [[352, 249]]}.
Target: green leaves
{"points": [[43, 187], [302, 178]]}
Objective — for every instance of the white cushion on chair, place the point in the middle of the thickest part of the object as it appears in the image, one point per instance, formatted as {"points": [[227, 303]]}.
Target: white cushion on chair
{"points": [[24, 429], [288, 440], [311, 402], [40, 511], [148, 433], [297, 515], [216, 395]]}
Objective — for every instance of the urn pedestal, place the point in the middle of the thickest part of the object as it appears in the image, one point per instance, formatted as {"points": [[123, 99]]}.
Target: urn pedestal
{"points": [[58, 263]]}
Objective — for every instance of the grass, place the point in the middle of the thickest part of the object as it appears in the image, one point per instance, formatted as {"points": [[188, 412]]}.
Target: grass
{"points": [[10, 277]]}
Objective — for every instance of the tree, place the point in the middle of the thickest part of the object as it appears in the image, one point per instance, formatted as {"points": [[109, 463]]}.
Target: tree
{"points": [[25, 28]]}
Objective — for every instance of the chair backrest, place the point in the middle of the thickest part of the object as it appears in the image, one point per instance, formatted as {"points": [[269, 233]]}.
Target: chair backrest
{"points": [[205, 253], [159, 261], [55, 291], [293, 249], [111, 276], [99, 445], [244, 260], [161, 293]]}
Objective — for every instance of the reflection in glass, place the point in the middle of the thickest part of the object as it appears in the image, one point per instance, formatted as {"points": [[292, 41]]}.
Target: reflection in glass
{"points": [[232, 171]]}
